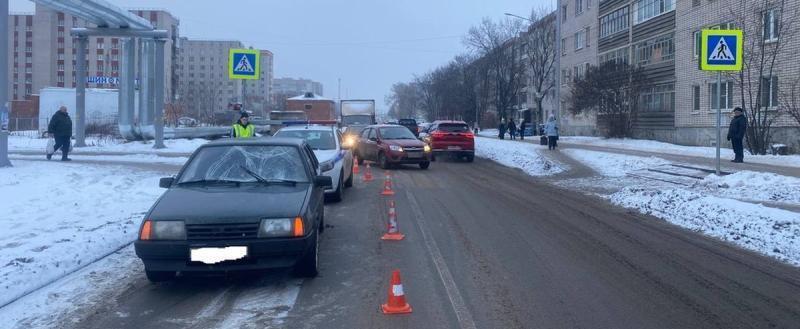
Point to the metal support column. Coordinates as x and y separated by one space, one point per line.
80 92
144 87
4 108
127 80
159 95
719 117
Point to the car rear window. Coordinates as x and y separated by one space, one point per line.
453 127
405 122
318 140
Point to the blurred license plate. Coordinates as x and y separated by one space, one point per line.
415 155
454 147
217 255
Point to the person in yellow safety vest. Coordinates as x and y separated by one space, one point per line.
243 128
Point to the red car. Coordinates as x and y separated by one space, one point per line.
453 138
389 145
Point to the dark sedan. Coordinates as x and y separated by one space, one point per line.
237 205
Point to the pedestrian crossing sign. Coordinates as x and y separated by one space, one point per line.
243 64
721 50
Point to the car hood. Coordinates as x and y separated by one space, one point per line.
247 203
405 142
325 155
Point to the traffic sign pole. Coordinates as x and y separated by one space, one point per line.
4 109
719 118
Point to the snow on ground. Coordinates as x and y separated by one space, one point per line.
613 165
129 158
58 217
756 186
488 133
517 155
769 231
697 151
107 144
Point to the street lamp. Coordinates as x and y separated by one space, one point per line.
520 17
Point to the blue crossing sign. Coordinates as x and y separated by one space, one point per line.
721 50
243 64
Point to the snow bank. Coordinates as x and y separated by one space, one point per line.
128 158
489 133
106 144
697 151
755 186
769 231
58 217
517 155
613 165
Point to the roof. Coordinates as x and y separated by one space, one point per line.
313 97
384 125
263 141
449 121
308 127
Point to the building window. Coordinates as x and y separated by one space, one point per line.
578 7
101 45
656 50
725 97
696 98
61 67
770 21
563 49
695 3
580 39
647 9
563 14
659 98
60 34
619 56
61 78
74 22
61 57
616 21
769 92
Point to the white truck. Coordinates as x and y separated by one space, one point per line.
357 114
101 105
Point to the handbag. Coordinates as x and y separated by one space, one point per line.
51 144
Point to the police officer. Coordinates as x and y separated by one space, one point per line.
243 128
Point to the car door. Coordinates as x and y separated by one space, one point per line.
317 203
373 143
347 163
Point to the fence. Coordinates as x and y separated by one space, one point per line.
22 124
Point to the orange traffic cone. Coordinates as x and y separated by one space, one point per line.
392 231
355 165
397 298
387 185
367 174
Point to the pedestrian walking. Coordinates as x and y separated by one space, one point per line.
512 128
736 133
501 129
522 127
551 130
243 128
60 128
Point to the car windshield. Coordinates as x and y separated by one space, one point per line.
453 127
317 139
232 163
396 133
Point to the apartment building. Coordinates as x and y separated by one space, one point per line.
203 83
42 53
259 91
579 50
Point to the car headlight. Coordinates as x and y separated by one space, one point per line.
326 166
163 230
396 148
281 227
426 148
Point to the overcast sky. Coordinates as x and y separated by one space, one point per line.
369 44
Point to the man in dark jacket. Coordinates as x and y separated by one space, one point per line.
736 133
522 127
512 128
501 130
60 128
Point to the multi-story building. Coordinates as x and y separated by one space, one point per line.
42 53
296 86
696 108
259 91
579 49
203 83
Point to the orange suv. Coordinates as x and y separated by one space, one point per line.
453 138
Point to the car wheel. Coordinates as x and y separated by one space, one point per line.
424 165
349 181
159 276
470 158
308 266
383 161
337 196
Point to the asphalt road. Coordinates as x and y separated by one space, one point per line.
486 247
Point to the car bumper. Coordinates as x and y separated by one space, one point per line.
406 158
334 175
261 254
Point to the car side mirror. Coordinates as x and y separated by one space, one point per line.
323 181
166 182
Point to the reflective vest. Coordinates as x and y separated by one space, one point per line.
240 131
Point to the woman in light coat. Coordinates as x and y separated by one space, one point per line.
551 130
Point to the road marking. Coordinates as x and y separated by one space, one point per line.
459 307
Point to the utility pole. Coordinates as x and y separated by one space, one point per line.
4 162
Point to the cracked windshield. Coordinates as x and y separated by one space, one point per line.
399 164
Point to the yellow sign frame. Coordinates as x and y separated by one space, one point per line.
231 65
704 51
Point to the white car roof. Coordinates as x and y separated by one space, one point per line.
308 127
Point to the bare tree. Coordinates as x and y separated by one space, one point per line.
495 42
612 90
769 26
541 56
404 100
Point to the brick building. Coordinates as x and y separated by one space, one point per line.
578 51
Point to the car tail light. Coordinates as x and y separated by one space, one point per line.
298 227
146 230
437 134
469 135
